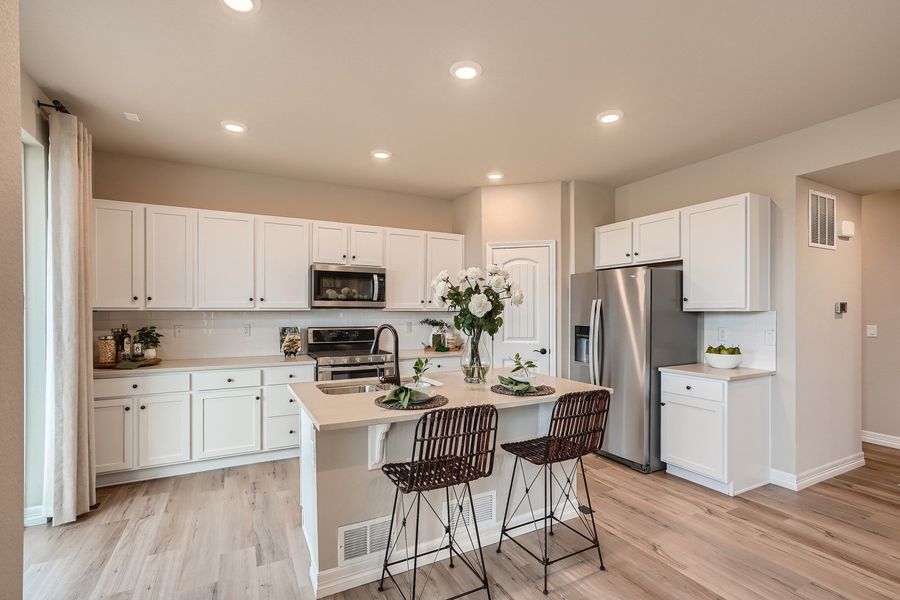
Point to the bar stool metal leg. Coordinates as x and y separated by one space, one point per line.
387 550
449 529
512 479
487 587
415 568
590 506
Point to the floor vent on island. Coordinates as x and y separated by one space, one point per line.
485 508
360 540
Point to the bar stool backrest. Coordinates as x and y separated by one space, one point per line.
463 438
577 425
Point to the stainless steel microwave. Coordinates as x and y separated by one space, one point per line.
341 286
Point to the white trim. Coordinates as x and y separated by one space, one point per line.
554 289
816 474
119 477
882 439
34 515
783 479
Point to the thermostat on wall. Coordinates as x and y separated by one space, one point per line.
848 229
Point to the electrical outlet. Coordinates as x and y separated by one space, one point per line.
179 330
871 330
770 337
246 329
722 334
409 326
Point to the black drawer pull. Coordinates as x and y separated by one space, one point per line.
257 397
149 298
229 380
290 399
687 387
291 432
127 408
290 375
143 406
134 298
134 386
662 403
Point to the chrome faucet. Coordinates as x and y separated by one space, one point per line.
395 379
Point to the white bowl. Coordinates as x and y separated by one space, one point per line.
723 361
521 378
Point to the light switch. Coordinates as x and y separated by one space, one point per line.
179 330
246 329
770 337
722 334
871 330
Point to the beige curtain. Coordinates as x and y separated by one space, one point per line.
69 474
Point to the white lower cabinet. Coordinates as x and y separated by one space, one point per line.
164 429
226 422
716 432
437 365
113 434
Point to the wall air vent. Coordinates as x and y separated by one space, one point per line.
361 540
485 509
821 220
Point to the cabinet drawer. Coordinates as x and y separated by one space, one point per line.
693 387
293 374
141 384
282 432
279 401
221 380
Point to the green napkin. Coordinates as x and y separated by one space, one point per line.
128 364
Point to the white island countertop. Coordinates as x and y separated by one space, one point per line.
201 364
345 411
704 370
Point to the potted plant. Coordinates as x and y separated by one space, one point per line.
479 296
522 369
419 368
439 331
148 337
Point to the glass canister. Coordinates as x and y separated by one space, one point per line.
106 350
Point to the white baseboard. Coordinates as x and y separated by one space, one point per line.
882 439
340 579
34 515
817 474
783 479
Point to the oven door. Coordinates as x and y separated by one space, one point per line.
342 372
339 286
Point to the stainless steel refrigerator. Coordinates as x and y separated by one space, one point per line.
625 324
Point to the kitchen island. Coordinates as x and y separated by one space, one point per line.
344 440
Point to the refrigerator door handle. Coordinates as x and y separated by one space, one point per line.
592 341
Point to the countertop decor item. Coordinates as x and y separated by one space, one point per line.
439 331
522 369
479 295
722 357
295 346
431 402
541 390
130 364
148 338
419 369
401 396
106 351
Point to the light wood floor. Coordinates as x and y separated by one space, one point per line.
234 533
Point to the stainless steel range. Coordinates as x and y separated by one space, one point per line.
346 353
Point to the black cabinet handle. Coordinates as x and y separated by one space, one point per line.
257 397
251 299
343 256
262 299
127 408
635 253
628 254
143 406
134 386
422 301
685 299
135 298
662 403
229 380
290 375
687 387
291 431
353 257
149 298
290 399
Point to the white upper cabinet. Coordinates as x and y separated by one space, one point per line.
225 260
170 259
282 263
657 238
366 246
726 254
405 269
329 242
612 245
446 251
118 254
164 429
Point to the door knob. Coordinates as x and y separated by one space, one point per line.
542 351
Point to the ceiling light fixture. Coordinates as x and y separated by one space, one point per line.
465 69
380 154
243 6
608 117
494 175
234 126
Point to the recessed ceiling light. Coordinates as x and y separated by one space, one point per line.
494 175
610 116
465 69
133 117
381 154
243 6
234 126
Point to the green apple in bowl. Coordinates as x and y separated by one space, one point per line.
723 357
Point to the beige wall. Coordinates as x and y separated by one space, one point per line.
881 290
32 119
134 179
11 303
467 220
771 168
829 351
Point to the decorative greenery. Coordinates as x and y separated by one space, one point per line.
148 336
515 386
721 349
524 366
419 368
436 323
403 396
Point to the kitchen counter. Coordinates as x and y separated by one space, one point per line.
704 370
201 364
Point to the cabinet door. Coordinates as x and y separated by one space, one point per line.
445 251
114 434
282 263
226 422
692 435
164 430
225 265
366 246
329 243
170 257
612 245
657 237
715 255
405 265
118 254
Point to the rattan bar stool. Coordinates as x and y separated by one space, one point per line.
452 447
576 429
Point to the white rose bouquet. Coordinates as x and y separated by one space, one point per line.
479 296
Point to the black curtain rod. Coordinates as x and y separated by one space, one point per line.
57 106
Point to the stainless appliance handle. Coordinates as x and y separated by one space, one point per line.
369 367
592 343
375 289
601 334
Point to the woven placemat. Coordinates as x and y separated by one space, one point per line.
541 390
433 402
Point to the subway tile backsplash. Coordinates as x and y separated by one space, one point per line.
216 334
747 330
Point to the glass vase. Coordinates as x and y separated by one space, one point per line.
476 357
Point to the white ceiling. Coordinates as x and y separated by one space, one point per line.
321 83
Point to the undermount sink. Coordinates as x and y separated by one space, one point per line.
365 388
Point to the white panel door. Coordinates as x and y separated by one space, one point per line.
692 435
164 429
445 251
225 260
330 242
715 255
612 245
114 434
366 246
405 269
657 237
118 254
226 422
527 329
171 240
282 263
